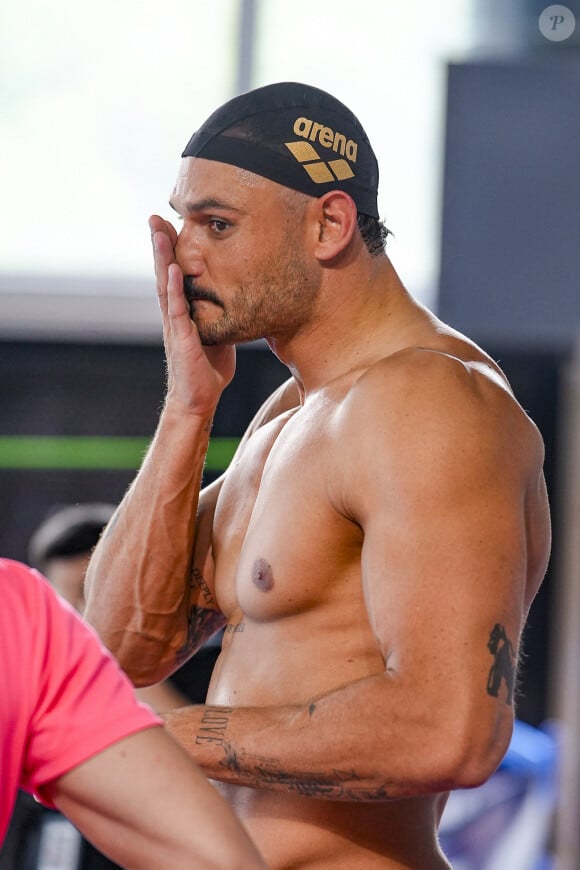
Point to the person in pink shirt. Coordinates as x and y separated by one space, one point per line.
73 733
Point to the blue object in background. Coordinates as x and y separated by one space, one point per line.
507 822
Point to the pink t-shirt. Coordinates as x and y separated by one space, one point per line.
63 698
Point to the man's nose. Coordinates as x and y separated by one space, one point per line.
188 253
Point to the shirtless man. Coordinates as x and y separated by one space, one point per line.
385 512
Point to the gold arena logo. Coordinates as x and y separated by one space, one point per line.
305 153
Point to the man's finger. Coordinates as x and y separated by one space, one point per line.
177 306
162 249
158 224
163 257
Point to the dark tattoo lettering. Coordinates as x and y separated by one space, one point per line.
235 627
503 667
262 575
197 581
336 785
213 725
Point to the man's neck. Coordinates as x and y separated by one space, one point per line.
360 318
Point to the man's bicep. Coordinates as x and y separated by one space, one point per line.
438 486
448 620
444 570
439 579
444 580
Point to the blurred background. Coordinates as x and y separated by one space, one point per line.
473 109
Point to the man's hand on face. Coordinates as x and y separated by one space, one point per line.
197 375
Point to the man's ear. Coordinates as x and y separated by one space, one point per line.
336 215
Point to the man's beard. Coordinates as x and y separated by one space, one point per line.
277 301
193 293
220 331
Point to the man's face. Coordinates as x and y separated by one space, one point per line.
241 249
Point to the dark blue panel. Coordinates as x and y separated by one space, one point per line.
510 258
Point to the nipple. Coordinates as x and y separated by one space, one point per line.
262 575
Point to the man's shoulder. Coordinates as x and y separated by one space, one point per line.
447 394
430 374
423 422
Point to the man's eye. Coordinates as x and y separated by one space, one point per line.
218 225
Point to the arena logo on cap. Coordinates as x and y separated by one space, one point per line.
337 141
305 153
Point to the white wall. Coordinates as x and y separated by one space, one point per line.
99 99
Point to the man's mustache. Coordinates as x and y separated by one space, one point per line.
193 292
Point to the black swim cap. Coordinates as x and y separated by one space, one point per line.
296 135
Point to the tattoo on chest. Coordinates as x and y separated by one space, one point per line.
213 725
504 663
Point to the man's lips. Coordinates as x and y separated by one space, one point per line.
193 293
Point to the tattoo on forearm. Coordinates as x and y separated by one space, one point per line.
202 624
336 785
504 664
213 725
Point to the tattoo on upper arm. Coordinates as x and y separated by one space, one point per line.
504 665
197 581
202 621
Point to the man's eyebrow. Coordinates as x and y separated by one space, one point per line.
205 204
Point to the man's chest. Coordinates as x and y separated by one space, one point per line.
280 542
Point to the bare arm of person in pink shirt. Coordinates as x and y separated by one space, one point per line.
143 802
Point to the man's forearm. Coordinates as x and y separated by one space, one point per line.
370 740
138 581
211 736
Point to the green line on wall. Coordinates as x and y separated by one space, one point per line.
94 452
